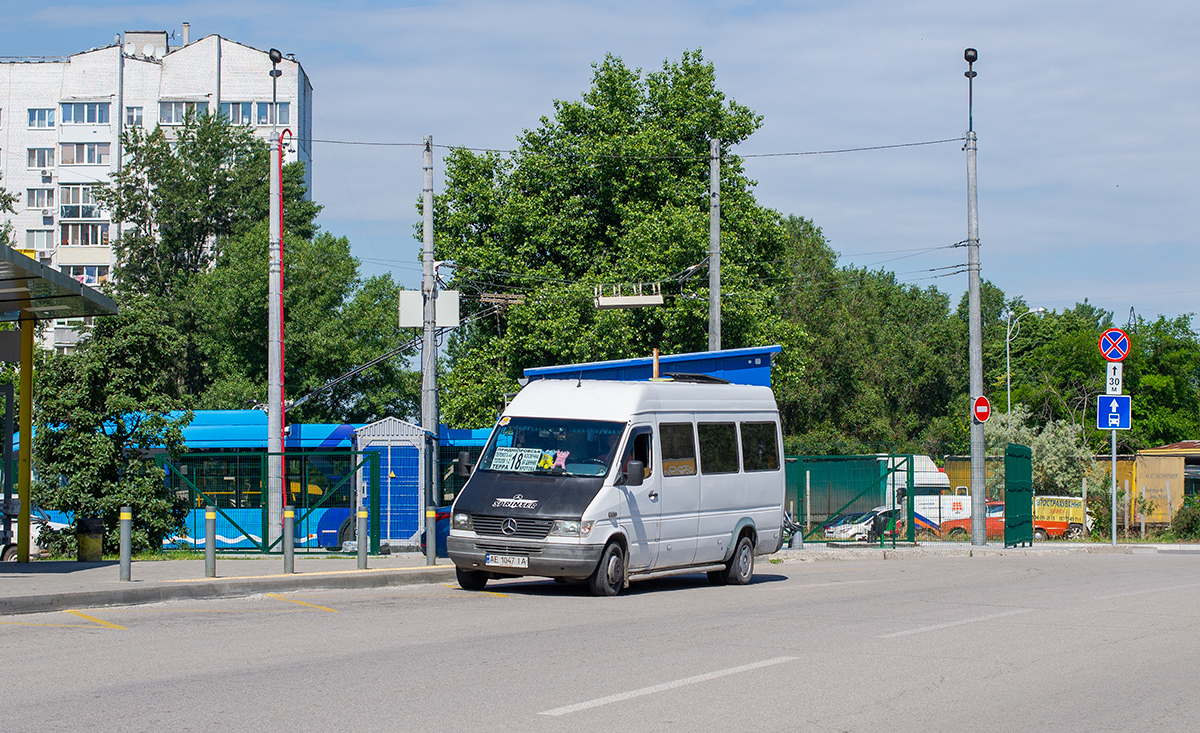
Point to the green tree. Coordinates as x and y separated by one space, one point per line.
101 414
886 360
334 320
1061 458
612 189
7 202
1162 373
177 196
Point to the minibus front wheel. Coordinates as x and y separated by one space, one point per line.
609 577
470 579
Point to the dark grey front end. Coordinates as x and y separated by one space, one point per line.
548 559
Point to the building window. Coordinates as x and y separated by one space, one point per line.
84 153
76 203
84 235
39 239
240 113
88 274
265 117
41 157
39 198
173 113
85 113
133 116
41 118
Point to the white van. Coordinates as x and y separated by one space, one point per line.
610 481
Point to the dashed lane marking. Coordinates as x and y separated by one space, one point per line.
949 624
664 686
1144 592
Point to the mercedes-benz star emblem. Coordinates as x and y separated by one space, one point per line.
509 526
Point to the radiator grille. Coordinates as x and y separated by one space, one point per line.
525 528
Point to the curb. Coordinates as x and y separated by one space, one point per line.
821 552
222 588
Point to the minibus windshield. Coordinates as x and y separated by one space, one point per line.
552 446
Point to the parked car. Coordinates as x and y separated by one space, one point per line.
37 520
860 527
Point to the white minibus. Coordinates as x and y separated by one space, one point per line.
613 481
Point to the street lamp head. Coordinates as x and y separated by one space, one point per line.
1039 310
971 55
275 55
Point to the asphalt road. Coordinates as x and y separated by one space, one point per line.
1074 642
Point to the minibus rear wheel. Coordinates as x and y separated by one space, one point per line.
740 569
470 579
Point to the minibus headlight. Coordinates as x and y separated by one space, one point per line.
461 520
564 528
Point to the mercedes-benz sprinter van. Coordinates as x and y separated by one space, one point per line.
609 481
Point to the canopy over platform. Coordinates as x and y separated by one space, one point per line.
31 291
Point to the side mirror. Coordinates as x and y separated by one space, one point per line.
635 472
464 464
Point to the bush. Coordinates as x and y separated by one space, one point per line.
1186 522
58 542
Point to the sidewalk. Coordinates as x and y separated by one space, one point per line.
43 585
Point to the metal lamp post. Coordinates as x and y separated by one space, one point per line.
1008 337
275 465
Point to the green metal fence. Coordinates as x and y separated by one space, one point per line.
1018 496
842 494
320 487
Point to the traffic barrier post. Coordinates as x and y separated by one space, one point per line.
289 541
126 517
210 541
362 538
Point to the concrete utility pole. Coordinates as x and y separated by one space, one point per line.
275 327
714 244
975 325
429 416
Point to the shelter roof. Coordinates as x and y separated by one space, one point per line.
31 290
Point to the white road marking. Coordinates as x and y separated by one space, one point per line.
950 624
1148 590
664 686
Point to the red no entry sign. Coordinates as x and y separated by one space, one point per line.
1114 344
981 409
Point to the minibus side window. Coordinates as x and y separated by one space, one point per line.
678 449
760 446
638 449
718 447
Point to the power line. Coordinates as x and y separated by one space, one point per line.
600 156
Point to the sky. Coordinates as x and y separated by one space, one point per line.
1085 112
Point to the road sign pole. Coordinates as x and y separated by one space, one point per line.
1114 487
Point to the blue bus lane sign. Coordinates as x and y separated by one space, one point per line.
1112 412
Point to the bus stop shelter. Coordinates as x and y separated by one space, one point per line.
32 292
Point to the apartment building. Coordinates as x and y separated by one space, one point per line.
61 120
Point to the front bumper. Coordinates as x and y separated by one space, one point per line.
547 559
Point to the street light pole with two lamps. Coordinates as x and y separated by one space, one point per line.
1008 337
